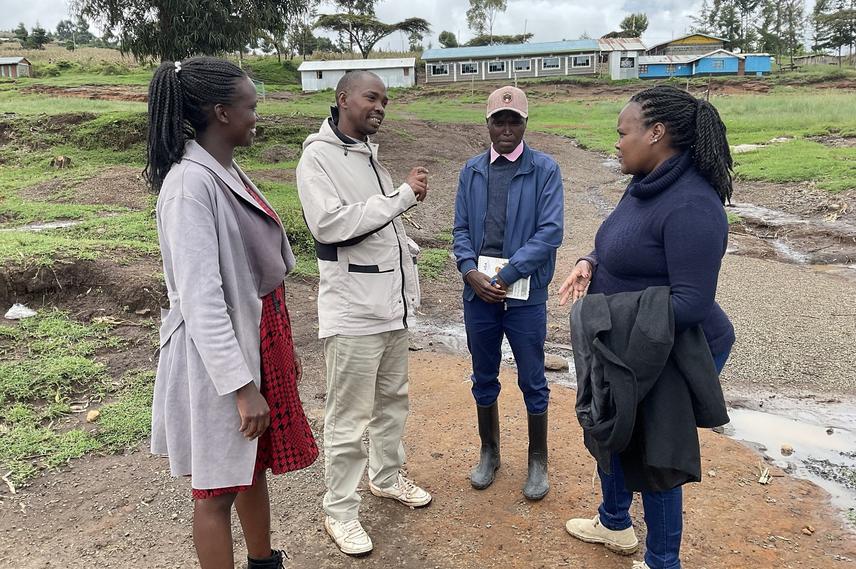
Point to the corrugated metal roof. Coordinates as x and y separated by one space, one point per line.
11 60
685 37
678 59
351 64
621 44
510 50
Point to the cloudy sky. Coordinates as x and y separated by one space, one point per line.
549 20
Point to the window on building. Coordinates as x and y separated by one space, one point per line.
627 62
523 65
407 72
550 63
496 67
440 69
643 68
469 68
581 61
319 74
717 64
670 68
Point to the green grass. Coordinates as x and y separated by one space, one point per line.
833 169
432 262
13 102
46 362
787 112
273 73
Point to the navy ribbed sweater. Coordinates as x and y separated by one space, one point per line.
668 229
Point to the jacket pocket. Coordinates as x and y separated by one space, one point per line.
170 321
372 291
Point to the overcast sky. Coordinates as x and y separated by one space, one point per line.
549 20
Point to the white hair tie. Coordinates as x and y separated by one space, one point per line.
177 67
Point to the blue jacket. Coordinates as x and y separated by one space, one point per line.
534 221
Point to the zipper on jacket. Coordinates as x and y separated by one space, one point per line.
397 240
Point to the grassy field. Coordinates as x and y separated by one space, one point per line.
40 385
47 366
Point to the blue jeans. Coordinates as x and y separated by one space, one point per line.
526 330
663 510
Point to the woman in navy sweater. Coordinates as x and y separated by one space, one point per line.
670 229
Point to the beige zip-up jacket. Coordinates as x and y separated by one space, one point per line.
367 265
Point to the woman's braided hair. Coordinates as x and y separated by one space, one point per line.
180 97
692 124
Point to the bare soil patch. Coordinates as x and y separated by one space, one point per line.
836 141
117 186
99 92
109 509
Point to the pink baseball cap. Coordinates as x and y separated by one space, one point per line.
508 99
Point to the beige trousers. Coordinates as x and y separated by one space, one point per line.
366 389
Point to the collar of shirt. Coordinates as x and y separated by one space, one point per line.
511 156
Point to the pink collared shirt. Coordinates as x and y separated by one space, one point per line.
511 156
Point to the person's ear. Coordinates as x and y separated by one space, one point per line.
221 114
658 131
342 99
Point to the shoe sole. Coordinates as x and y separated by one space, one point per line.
615 548
354 554
381 494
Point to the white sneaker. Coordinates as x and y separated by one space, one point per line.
623 542
405 491
640 565
349 536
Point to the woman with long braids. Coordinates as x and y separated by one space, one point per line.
226 407
669 229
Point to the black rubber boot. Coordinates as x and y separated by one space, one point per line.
484 473
273 562
537 485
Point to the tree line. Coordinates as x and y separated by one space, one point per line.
779 26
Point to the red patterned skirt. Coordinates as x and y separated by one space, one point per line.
288 443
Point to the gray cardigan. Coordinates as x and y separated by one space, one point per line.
209 337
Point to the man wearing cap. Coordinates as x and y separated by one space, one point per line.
508 224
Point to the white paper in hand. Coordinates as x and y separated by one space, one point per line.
491 266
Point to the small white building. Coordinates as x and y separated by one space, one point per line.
320 75
621 56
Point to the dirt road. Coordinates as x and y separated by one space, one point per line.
794 336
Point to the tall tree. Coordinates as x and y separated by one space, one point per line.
703 21
634 25
82 35
65 30
499 39
414 41
22 34
38 37
448 39
365 31
782 26
482 14
835 25
175 29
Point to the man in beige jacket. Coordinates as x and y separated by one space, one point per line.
368 284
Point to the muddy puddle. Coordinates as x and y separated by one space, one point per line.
810 440
825 245
813 440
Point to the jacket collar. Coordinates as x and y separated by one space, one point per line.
194 152
527 161
664 176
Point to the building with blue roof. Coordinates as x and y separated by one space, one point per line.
511 61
